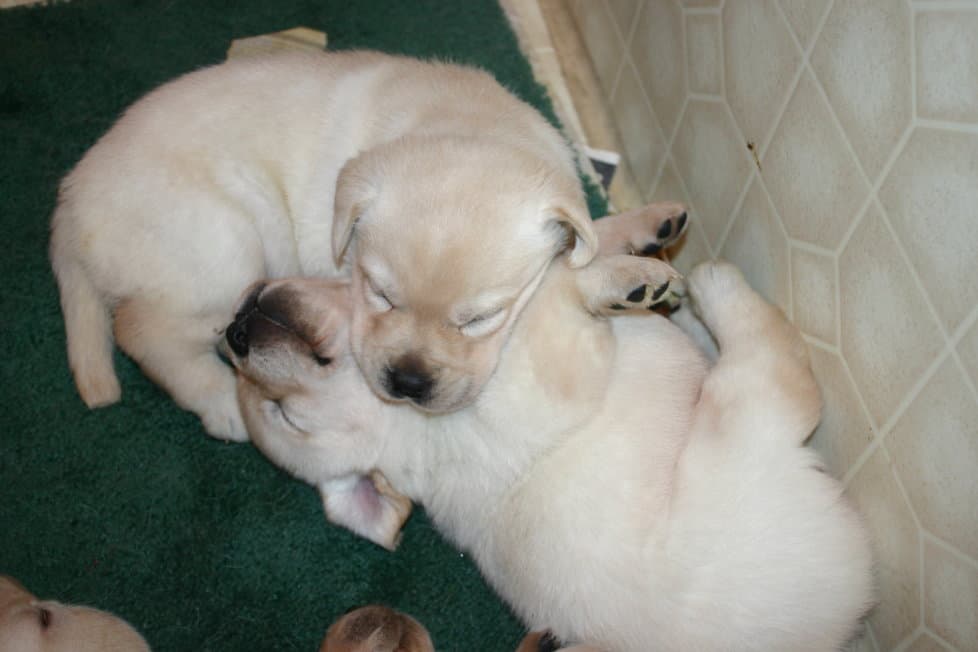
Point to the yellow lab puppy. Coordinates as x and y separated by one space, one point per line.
610 484
31 625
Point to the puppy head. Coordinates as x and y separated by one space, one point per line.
300 391
448 239
289 336
31 625
377 629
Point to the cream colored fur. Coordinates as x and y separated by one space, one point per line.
610 484
232 173
28 624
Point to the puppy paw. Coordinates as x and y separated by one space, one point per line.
614 284
643 231
98 387
712 287
222 420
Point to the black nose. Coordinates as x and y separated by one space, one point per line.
237 332
237 335
409 383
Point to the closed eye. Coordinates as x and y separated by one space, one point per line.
377 298
483 324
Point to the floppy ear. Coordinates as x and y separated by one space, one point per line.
376 628
568 210
368 506
577 220
354 191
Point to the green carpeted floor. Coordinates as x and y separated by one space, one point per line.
202 545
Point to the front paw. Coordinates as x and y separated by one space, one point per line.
613 284
222 420
644 231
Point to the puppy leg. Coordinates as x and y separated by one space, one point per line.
644 231
611 284
762 382
179 353
368 506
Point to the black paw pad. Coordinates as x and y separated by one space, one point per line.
665 230
659 291
637 294
682 222
652 249
548 643
616 306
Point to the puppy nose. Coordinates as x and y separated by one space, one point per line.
237 335
409 383
237 332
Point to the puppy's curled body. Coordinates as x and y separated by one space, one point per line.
616 489
228 175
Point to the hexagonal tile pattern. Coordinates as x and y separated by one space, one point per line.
968 351
623 13
760 61
713 163
895 539
864 116
861 643
804 16
862 58
658 53
934 446
812 178
757 245
703 54
951 597
634 116
691 249
947 65
930 195
813 293
601 39
926 643
888 336
845 431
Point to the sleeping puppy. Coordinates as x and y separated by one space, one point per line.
233 173
290 344
31 625
610 484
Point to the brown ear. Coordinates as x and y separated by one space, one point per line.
354 192
414 637
377 629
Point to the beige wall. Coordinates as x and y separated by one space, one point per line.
859 216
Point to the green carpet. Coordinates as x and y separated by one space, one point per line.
202 545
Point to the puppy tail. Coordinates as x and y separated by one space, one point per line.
88 327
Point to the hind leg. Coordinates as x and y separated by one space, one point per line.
178 352
762 379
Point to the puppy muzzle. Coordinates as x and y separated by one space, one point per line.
408 378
